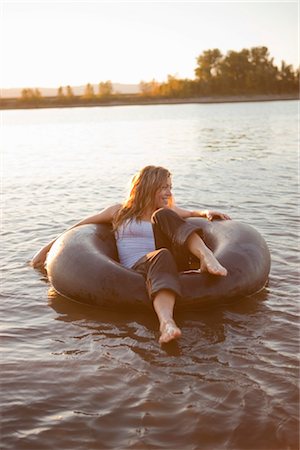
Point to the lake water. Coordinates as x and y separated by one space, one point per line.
75 377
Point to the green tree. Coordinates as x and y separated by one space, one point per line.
105 89
89 92
37 94
247 71
150 89
31 95
263 73
287 78
208 64
69 93
209 69
60 93
234 73
174 87
25 95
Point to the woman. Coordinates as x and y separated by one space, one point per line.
154 239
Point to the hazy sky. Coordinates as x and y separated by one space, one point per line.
48 44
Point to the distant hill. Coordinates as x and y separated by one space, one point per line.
118 88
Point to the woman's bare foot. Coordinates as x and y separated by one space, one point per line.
209 263
169 331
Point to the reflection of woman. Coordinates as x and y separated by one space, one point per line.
154 239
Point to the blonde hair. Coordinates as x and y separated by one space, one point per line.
141 198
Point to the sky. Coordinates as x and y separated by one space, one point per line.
59 43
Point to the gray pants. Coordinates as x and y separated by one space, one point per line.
160 268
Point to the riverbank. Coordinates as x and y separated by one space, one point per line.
126 100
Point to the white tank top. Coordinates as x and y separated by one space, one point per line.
134 239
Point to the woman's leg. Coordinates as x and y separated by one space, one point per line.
163 303
162 282
208 262
182 237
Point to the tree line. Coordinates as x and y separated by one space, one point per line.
246 72
66 94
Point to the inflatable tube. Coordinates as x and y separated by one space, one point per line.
83 265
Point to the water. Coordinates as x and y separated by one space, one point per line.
74 377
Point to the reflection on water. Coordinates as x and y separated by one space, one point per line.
78 377
204 327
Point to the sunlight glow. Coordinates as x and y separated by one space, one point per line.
53 44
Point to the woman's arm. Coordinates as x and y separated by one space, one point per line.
105 216
208 214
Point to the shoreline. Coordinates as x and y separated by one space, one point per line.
130 100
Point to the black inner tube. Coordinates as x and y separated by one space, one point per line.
83 265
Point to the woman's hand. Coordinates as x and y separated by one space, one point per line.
207 213
213 215
38 261
105 216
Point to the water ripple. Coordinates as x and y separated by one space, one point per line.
75 374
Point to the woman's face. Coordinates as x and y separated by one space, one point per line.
163 194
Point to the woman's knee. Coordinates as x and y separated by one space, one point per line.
162 213
164 254
164 260
163 273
